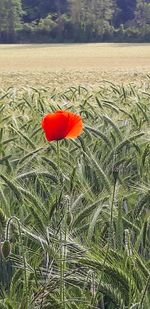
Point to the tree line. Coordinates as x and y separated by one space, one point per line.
39 21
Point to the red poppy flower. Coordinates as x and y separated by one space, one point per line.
62 124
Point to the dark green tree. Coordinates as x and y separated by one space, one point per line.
73 20
91 17
126 11
142 15
10 19
37 9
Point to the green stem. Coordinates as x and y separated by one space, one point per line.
111 228
144 293
109 242
22 249
129 264
58 163
62 247
130 288
62 287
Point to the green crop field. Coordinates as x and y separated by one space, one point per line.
74 214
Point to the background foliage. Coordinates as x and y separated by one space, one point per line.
74 20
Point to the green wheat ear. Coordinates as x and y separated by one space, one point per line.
6 248
3 306
2 221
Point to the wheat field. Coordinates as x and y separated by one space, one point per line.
75 222
53 65
75 213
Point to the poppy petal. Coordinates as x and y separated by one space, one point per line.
55 126
75 126
62 124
